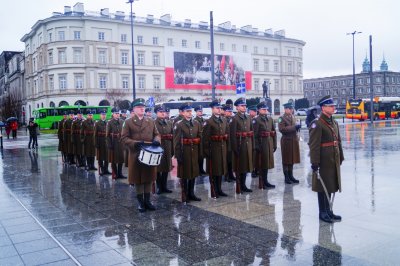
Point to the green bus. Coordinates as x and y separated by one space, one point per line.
49 117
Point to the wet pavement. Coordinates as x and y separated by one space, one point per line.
60 215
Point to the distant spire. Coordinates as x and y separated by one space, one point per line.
384 65
365 65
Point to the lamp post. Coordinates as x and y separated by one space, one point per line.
354 68
133 55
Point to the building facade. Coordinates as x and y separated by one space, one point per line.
83 57
385 83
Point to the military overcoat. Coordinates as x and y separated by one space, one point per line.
113 138
326 151
164 127
135 130
187 141
87 137
265 142
100 143
289 142
60 134
76 137
242 146
68 136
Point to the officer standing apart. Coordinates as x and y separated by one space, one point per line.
265 144
199 118
187 140
101 144
114 144
215 139
241 138
87 137
137 130
164 127
289 143
326 155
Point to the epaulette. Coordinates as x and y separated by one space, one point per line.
313 123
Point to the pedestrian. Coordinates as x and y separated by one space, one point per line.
115 145
137 131
14 128
326 156
187 140
32 128
199 118
265 144
289 143
241 138
215 142
101 144
87 139
164 127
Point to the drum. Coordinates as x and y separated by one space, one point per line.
150 155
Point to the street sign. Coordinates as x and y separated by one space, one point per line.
150 101
240 88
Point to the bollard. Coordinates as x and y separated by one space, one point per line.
343 119
1 141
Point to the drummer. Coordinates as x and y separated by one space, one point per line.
138 131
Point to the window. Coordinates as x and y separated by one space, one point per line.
276 84
343 91
300 68
77 35
139 39
100 36
222 46
103 82
266 50
335 92
276 66
125 82
51 59
170 42
156 59
155 40
275 51
256 84
290 85
244 48
123 38
124 58
209 45
156 83
140 58
141 82
360 90
61 36
78 56
233 47
50 37
197 44
78 82
184 43
102 57
360 81
255 64
289 52
300 52
266 65
255 49
62 81
289 67
62 57
51 83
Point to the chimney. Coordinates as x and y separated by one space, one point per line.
67 10
105 12
79 8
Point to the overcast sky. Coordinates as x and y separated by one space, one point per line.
321 24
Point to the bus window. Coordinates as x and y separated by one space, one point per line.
42 115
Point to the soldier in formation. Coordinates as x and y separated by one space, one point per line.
76 140
67 138
114 144
60 133
199 118
88 141
101 144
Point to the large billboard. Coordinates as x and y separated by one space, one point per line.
193 71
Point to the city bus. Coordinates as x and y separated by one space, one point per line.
384 108
49 117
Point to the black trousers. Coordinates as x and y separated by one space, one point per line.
33 141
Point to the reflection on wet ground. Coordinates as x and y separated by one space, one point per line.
95 222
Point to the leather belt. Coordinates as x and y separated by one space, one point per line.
329 144
88 131
68 130
101 134
195 141
219 137
77 131
167 136
248 134
115 135
265 134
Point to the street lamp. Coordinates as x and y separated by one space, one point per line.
133 55
354 68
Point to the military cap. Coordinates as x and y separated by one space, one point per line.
78 112
227 108
103 112
198 108
252 108
71 112
185 106
326 101
240 101
138 102
159 108
65 113
115 110
31 119
229 101
90 112
262 105
288 105
148 109
123 111
215 103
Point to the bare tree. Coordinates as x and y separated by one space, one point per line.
116 95
12 106
160 98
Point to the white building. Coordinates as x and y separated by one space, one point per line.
83 57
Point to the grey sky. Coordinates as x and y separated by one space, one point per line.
321 24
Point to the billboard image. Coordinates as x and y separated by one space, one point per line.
193 71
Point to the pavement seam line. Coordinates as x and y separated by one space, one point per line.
44 228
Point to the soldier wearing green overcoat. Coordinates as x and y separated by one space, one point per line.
87 138
76 139
60 133
114 144
101 144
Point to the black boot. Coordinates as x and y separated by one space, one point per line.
141 206
120 175
243 184
114 173
335 217
231 177
184 190
159 182
92 167
287 179
71 159
219 187
201 168
291 177
265 180
147 203
323 214
164 176
254 174
101 170
105 169
192 196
